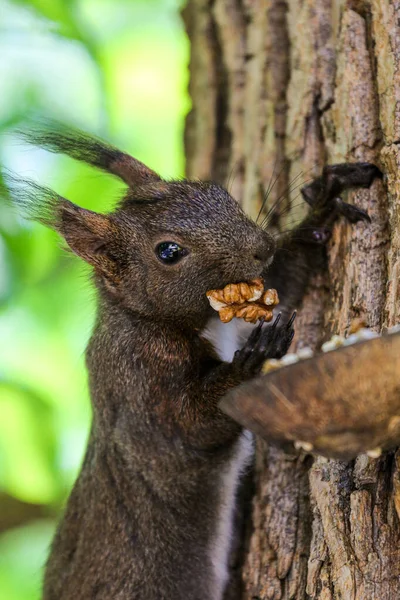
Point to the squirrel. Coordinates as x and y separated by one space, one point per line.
150 515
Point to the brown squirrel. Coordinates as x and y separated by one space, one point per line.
150 515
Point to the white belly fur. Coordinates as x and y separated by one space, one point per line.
226 339
229 483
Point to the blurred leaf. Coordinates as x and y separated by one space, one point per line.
57 11
16 513
27 446
23 553
33 252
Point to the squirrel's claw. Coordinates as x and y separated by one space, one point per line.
336 179
291 320
243 354
323 195
352 213
272 341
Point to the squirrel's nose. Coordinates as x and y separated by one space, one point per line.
265 252
261 256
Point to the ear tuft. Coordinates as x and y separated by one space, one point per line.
35 202
55 137
87 233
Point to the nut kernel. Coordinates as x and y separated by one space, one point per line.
247 301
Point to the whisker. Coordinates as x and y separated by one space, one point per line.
268 189
285 212
284 196
231 177
286 193
289 190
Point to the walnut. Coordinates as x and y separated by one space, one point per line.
246 301
236 293
270 298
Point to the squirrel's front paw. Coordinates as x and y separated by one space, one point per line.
265 342
323 195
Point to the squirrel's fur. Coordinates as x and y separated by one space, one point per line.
150 515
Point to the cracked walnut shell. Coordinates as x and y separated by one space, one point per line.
246 301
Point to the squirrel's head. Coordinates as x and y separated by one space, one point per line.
165 245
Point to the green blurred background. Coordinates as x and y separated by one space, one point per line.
117 68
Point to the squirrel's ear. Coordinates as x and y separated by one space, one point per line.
88 234
55 137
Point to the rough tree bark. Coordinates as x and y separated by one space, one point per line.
282 87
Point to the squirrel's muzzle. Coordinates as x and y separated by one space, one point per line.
264 250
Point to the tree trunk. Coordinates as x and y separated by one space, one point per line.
281 88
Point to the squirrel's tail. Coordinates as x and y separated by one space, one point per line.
91 150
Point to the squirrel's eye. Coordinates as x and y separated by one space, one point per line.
170 252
